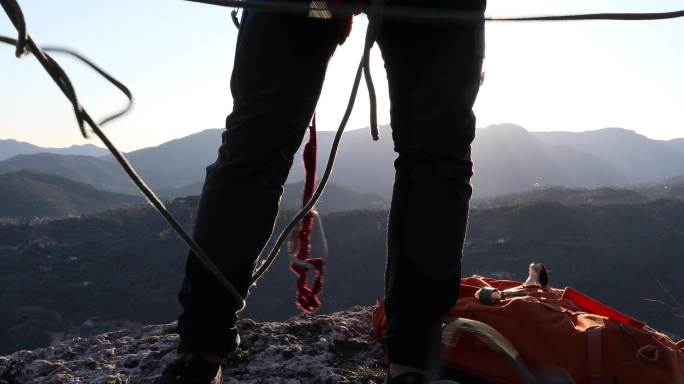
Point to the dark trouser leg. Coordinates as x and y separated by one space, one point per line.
434 76
279 69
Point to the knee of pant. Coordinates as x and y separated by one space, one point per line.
424 164
257 153
448 144
257 168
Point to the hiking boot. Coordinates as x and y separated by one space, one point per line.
191 369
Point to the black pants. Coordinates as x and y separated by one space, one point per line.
434 76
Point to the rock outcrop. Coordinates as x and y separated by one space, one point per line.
334 348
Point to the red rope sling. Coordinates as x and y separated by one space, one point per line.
300 242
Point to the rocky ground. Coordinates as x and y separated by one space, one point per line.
333 348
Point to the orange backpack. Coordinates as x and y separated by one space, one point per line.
558 330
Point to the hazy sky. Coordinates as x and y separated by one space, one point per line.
177 56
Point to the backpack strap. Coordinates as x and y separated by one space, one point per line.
597 373
677 366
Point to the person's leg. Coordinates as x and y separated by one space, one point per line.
279 68
434 73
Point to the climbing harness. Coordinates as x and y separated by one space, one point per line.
418 14
376 11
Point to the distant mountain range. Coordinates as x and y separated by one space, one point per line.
31 194
28 193
508 159
636 157
10 148
335 198
84 169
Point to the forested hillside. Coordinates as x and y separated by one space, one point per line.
32 194
87 274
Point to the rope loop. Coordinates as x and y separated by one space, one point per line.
16 16
60 78
427 14
649 353
65 85
234 17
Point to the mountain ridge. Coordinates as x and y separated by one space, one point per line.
11 147
507 158
631 153
31 194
